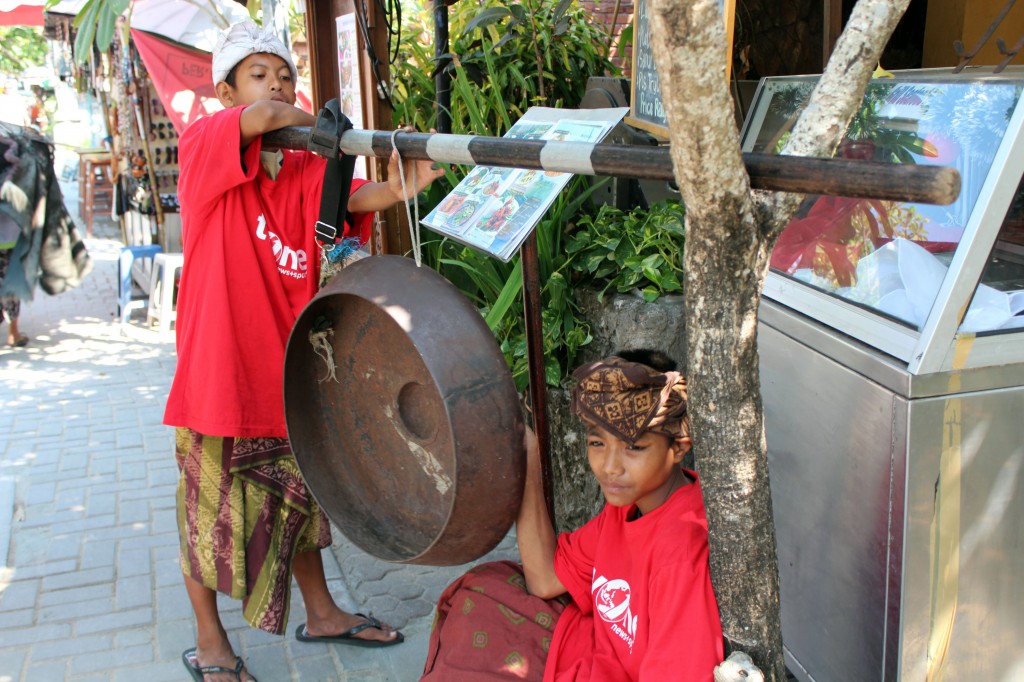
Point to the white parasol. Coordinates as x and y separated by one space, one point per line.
196 23
69 7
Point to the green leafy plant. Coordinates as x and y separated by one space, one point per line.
641 249
20 48
503 59
546 31
562 331
95 22
493 59
496 287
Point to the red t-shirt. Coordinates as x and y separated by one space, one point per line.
251 265
643 607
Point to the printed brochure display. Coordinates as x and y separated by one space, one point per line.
495 209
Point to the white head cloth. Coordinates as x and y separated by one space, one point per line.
240 41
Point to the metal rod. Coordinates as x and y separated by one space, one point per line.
535 359
925 184
843 177
1008 55
967 56
611 32
443 79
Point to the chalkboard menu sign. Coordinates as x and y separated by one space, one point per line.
646 108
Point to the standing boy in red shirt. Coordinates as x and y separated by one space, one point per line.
251 263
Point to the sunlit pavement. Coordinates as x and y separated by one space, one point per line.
90 585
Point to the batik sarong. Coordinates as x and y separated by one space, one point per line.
243 513
488 627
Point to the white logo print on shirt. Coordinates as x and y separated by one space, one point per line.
290 262
611 601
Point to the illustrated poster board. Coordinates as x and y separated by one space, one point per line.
647 110
495 209
350 93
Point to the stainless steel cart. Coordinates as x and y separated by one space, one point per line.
892 364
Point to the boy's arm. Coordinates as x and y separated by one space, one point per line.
371 197
534 531
380 196
266 115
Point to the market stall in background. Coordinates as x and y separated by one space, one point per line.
154 80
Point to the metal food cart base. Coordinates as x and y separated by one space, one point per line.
898 507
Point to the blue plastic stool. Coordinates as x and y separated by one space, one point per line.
127 300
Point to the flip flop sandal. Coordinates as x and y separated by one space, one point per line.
188 657
349 637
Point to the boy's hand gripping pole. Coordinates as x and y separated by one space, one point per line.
325 140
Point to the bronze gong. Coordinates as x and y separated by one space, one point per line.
415 449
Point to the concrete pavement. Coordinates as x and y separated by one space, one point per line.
90 585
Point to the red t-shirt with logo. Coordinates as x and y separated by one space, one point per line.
642 603
251 264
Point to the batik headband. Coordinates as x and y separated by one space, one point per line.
629 398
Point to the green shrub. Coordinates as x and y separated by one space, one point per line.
641 249
504 59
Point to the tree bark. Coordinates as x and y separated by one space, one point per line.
729 235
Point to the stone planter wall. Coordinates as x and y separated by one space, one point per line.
620 322
627 322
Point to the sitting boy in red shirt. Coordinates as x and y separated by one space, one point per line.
642 605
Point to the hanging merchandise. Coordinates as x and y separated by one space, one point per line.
142 167
48 249
155 80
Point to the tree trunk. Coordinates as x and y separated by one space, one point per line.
729 235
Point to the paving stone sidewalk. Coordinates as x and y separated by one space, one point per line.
90 585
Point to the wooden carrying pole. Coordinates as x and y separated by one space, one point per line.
534 321
843 177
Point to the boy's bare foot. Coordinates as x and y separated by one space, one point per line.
349 628
17 340
220 656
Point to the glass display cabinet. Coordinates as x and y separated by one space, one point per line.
892 367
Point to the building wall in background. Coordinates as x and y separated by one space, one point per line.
615 15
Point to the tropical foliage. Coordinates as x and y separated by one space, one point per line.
503 59
20 48
640 249
96 21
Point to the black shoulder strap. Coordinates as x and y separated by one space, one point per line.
324 139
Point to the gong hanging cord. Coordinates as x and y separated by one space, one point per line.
414 226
